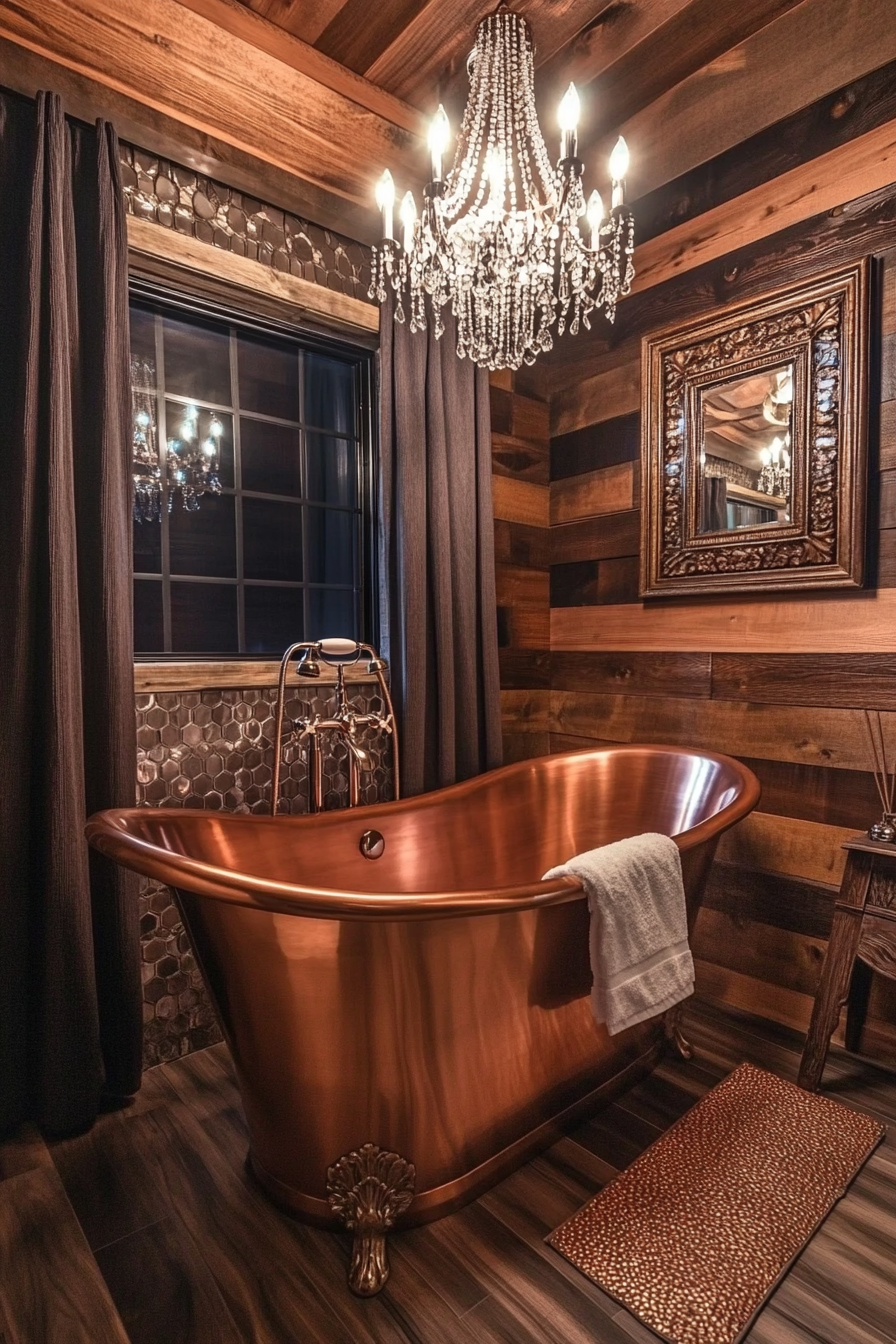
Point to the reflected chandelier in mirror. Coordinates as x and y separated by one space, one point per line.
753 443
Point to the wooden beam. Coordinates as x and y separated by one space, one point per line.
340 310
251 27
792 623
855 169
183 67
808 52
605 395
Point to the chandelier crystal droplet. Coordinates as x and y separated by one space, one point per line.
499 238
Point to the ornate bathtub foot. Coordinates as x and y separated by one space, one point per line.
675 1039
368 1189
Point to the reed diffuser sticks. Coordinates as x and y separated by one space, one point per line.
885 780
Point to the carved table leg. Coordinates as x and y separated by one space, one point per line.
368 1189
857 1003
832 991
676 1042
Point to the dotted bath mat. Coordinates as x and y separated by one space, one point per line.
695 1234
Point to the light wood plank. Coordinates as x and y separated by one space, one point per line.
277 41
519 587
844 174
750 995
831 738
888 436
789 961
339 310
149 677
158 55
807 53
786 845
526 711
607 490
615 391
860 623
521 501
51 1289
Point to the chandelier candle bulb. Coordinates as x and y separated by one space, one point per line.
595 217
619 161
385 199
568 116
439 135
408 215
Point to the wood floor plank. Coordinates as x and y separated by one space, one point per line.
51 1290
25 1150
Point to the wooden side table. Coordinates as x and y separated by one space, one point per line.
863 939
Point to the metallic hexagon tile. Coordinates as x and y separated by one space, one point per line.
214 749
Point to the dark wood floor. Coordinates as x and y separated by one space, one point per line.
148 1231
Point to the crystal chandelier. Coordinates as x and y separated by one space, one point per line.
774 478
190 463
499 237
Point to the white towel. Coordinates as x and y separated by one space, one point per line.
640 958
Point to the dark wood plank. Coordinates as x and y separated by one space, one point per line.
886 564
617 580
605 444
530 419
525 669
601 538
575 584
834 120
812 793
25 1150
50 1287
522 544
634 673
789 903
525 746
888 499
501 404
864 680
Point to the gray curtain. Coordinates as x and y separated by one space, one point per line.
439 614
715 504
70 1028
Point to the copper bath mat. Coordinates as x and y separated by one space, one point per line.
695 1234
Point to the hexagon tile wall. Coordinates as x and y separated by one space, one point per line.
214 749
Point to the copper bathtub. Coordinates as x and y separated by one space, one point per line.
432 1001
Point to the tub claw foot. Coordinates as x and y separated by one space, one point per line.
368 1189
676 1041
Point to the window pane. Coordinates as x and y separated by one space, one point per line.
148 547
271 457
189 425
149 636
203 541
275 619
332 469
203 618
330 394
331 614
268 377
143 334
197 360
272 539
331 546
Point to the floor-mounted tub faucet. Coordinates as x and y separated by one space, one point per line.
344 719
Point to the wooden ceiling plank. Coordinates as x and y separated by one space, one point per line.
430 55
808 52
224 87
306 19
266 34
354 41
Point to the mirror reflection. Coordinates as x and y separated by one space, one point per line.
746 426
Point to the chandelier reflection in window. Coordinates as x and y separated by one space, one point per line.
499 237
191 461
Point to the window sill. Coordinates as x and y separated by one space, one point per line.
203 676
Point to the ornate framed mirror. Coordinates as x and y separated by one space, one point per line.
753 443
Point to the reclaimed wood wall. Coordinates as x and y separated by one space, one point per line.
779 682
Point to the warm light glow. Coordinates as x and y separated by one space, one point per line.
385 191
568 111
408 216
619 160
496 171
216 429
439 135
595 215
776 451
765 457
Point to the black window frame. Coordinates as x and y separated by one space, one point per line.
173 301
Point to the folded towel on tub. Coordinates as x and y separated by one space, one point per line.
640 958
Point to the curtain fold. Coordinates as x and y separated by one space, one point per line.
438 612
70 1002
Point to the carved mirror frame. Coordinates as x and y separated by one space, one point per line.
821 328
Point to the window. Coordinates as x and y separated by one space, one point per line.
283 552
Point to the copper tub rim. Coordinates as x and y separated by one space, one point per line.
108 832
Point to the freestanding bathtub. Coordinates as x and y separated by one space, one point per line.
429 1006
